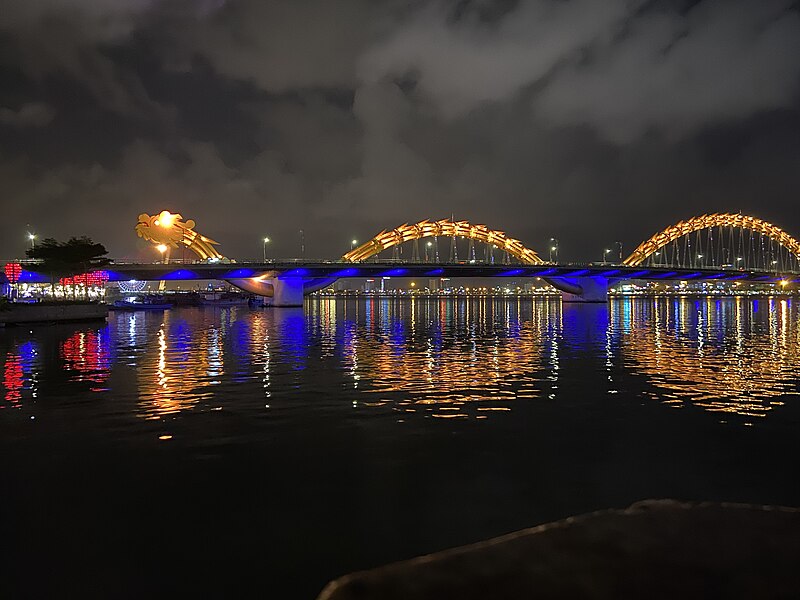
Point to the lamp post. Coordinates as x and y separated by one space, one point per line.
605 255
553 249
428 247
164 249
32 238
266 241
353 244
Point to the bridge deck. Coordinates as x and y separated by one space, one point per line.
341 270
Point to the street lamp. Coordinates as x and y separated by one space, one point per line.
353 244
32 238
553 248
163 249
266 241
605 254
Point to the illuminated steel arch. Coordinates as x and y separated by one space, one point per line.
444 228
168 230
682 228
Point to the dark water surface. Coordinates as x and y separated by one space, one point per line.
210 452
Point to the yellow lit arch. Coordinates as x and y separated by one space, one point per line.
444 228
672 233
168 229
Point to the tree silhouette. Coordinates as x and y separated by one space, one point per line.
67 259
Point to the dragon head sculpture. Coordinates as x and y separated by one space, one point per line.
171 230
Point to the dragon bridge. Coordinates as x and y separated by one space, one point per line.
168 230
443 228
736 220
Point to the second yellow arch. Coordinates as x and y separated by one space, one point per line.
443 228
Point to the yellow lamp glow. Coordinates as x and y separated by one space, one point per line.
161 248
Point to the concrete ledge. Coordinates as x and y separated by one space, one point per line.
33 313
654 549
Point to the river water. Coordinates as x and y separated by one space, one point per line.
210 452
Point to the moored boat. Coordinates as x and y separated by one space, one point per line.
222 300
140 303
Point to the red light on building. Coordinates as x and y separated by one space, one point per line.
13 271
93 279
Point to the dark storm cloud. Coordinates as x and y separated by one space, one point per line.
64 38
254 117
282 46
461 64
621 66
33 114
723 60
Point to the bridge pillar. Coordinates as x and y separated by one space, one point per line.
281 291
581 289
287 292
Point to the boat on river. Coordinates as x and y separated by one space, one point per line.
140 303
225 299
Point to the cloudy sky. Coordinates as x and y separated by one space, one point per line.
588 120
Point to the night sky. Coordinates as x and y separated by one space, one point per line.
591 121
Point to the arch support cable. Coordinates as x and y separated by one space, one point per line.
443 228
673 233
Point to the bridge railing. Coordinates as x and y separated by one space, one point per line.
283 262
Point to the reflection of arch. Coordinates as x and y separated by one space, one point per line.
381 359
682 348
445 228
670 234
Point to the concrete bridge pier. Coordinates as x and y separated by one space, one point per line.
281 291
286 292
581 289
